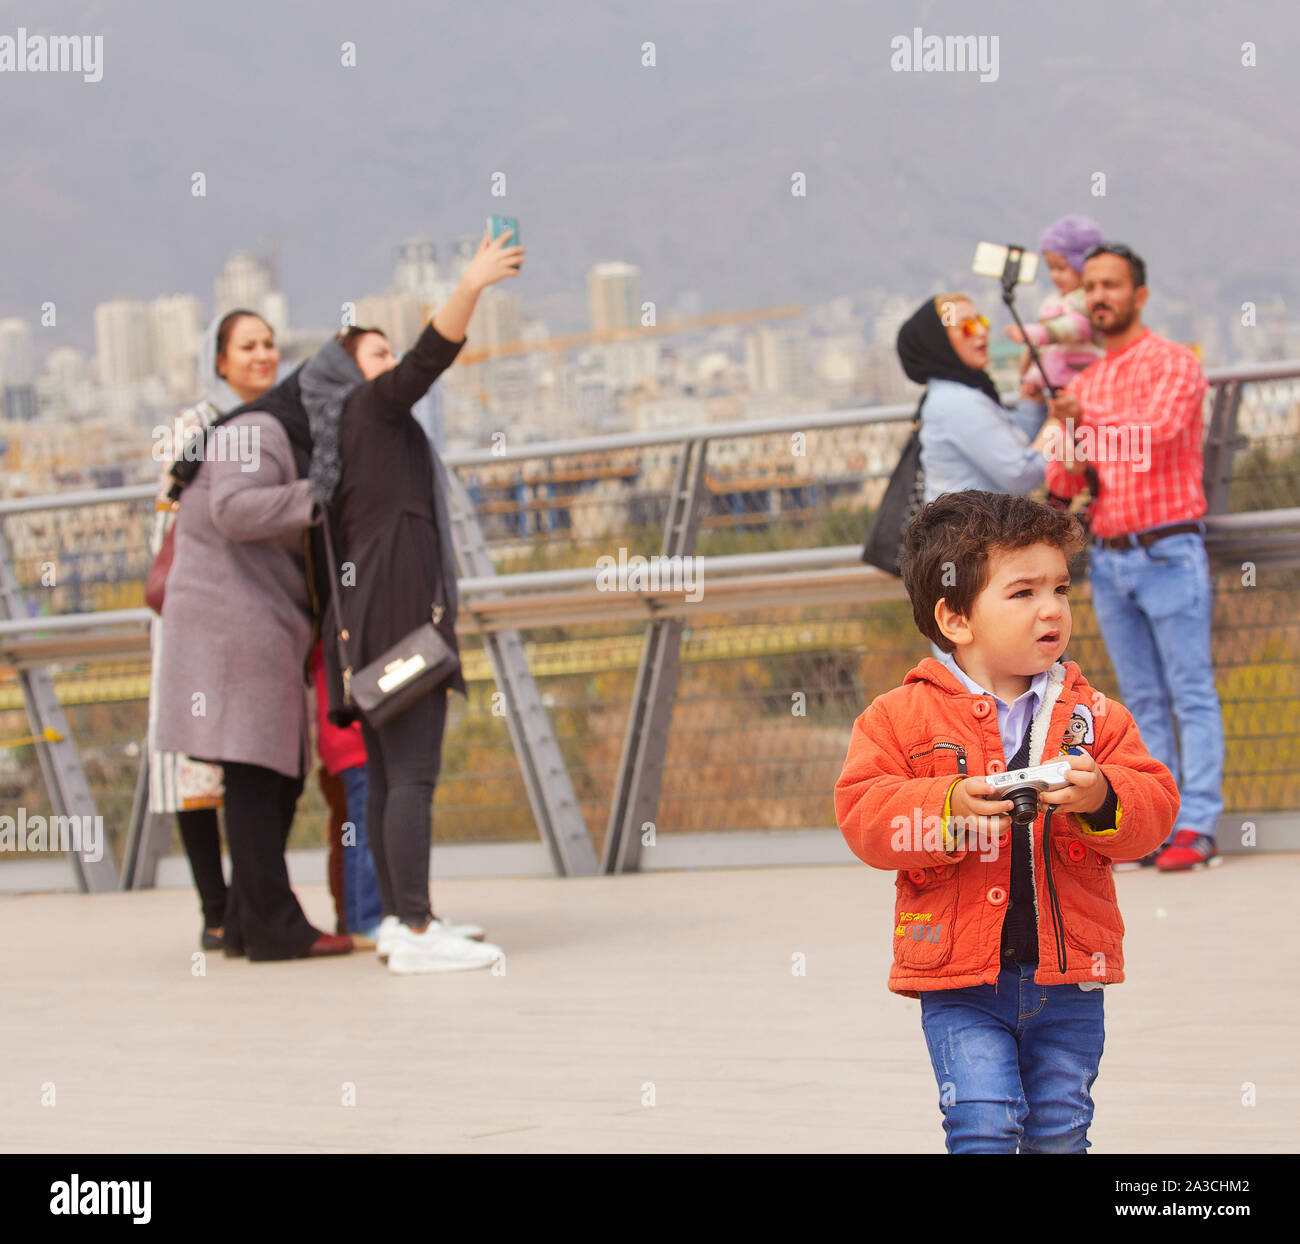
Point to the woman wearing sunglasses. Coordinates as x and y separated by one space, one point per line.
968 438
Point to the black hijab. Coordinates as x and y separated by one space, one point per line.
284 401
927 354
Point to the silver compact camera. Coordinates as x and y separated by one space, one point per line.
1022 786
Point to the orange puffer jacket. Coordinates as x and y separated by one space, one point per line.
910 748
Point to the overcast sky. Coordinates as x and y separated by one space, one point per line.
683 168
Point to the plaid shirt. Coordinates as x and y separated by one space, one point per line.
1140 424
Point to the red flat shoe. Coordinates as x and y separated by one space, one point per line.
329 944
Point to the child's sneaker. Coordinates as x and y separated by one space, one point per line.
436 950
1189 850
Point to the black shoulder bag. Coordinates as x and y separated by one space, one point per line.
417 664
904 496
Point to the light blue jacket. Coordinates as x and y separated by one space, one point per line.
969 441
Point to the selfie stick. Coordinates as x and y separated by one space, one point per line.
1011 275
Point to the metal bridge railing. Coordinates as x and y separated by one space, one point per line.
630 714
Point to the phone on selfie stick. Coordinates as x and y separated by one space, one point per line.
1013 265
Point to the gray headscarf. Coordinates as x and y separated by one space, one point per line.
325 381
212 386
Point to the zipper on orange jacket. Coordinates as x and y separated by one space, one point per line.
956 747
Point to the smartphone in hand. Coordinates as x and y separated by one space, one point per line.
497 225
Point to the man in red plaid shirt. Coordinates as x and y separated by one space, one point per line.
1135 415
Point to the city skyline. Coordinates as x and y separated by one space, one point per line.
682 166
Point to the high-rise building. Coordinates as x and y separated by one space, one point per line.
248 282
66 366
396 313
496 318
463 249
243 282
175 328
16 363
122 345
777 360
416 268
63 388
17 394
614 296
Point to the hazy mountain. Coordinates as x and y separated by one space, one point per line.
684 167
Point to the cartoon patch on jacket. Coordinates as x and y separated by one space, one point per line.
1079 730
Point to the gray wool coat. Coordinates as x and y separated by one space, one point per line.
236 616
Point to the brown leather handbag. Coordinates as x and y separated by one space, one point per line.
155 584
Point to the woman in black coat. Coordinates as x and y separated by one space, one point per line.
386 491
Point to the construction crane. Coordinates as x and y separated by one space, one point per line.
694 323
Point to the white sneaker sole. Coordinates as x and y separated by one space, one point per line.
383 949
401 964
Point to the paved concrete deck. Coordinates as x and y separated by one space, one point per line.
682 981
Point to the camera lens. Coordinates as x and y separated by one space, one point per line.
1024 805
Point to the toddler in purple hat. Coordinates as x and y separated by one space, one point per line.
1063 333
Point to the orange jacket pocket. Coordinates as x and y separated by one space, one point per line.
923 916
1087 890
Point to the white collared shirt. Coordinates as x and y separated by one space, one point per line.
1013 719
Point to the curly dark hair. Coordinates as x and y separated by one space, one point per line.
946 546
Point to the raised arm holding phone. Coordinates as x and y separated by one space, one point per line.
385 490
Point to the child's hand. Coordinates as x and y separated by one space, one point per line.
1087 790
974 797
1013 331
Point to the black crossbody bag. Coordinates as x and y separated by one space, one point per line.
904 496
417 664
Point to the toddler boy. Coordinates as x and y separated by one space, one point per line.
1006 932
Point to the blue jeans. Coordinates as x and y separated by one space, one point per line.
362 908
1015 1063
1153 606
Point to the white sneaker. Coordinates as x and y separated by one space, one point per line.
436 950
474 932
389 925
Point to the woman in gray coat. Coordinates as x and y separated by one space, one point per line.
237 628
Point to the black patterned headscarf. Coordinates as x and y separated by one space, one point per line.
927 354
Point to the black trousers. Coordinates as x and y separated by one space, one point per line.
202 839
263 914
403 757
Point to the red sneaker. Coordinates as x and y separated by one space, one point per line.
1188 850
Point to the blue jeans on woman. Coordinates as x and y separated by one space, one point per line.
1153 606
362 907
1015 1063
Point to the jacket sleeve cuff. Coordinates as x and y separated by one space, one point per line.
949 839
1106 818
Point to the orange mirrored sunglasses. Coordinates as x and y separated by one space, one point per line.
972 324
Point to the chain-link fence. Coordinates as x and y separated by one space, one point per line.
766 697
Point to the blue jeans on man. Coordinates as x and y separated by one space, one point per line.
363 908
1015 1062
1154 606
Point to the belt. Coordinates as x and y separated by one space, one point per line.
1145 539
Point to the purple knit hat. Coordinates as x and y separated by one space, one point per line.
1072 237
